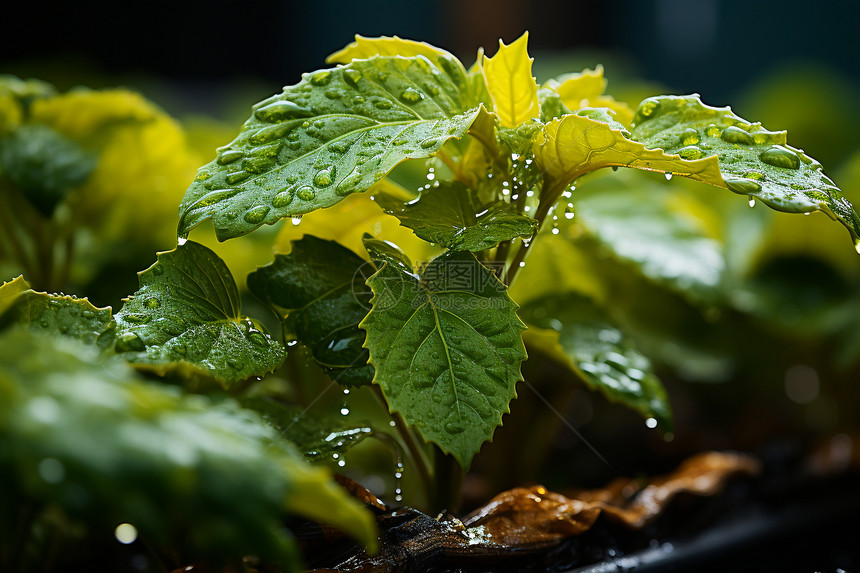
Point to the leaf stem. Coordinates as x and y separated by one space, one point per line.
448 483
546 203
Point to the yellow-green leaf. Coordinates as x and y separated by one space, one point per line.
364 48
509 80
10 290
585 89
573 145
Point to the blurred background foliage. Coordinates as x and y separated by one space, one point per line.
749 315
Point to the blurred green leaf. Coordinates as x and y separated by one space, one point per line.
86 434
598 352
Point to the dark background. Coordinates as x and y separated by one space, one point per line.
201 48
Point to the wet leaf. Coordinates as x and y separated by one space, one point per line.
446 346
753 161
43 165
319 291
9 292
454 217
186 318
363 48
60 314
597 351
509 80
318 439
574 145
335 133
87 434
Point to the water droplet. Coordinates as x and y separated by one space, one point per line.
212 197
455 426
349 183
752 202
296 220
203 176
857 246
779 156
668 176
235 363
429 142
258 164
152 302
411 95
237 177
257 338
333 94
689 136
737 135
344 411
306 193
129 341
341 463
647 108
270 134
352 76
137 318
382 104
281 111
283 198
125 533
256 214
229 156
321 78
691 152
742 186
324 177
346 391
651 423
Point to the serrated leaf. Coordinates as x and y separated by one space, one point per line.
453 216
752 160
9 292
509 80
43 165
446 347
335 133
87 434
319 291
574 145
363 48
596 350
61 314
186 318
316 438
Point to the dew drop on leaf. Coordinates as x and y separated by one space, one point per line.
237 177
324 177
281 111
283 198
352 76
779 156
306 193
737 135
321 78
229 156
411 95
691 152
256 214
152 302
689 136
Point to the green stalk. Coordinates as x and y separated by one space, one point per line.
448 484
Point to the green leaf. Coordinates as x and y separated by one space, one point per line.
61 314
10 290
752 160
186 318
319 291
597 351
446 347
453 216
645 224
43 165
336 132
319 439
87 434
